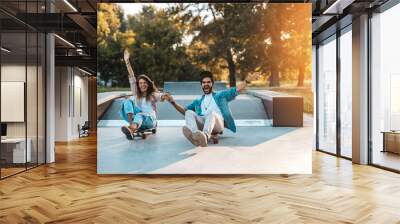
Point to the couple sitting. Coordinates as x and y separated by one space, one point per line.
205 117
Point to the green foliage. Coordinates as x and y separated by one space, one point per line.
226 37
109 44
158 50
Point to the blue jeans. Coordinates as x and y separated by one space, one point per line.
141 120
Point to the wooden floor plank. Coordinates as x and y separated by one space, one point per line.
70 191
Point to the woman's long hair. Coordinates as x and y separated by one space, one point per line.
151 89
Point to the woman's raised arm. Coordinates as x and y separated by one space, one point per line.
131 74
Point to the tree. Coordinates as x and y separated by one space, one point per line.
231 40
108 22
226 35
299 46
158 49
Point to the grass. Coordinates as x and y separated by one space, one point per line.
103 89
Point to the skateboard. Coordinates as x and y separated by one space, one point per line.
144 132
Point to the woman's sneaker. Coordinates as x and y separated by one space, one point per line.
201 138
189 135
128 133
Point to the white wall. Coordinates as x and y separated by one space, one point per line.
61 103
360 90
71 94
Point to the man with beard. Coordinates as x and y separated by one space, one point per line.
207 116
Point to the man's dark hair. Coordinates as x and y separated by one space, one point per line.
206 74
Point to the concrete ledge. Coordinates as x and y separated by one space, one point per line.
283 109
104 102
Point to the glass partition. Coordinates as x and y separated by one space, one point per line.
13 103
385 89
22 89
346 93
32 97
327 96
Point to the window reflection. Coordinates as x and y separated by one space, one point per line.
327 96
386 89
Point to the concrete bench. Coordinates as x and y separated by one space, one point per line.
283 109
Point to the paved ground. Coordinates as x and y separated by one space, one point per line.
256 146
168 146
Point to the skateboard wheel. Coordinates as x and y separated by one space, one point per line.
153 131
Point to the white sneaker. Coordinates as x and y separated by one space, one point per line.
189 135
201 138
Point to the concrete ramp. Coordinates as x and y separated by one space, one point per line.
243 107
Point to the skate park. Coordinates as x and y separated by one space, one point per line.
257 146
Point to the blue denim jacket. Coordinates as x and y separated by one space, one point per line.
222 98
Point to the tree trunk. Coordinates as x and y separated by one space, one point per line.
300 80
274 78
231 68
276 52
105 81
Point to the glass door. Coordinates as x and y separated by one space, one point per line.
346 93
385 89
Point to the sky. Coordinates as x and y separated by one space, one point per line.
133 8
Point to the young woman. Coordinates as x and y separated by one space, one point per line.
139 110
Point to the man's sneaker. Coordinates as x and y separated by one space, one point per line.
127 132
189 135
201 138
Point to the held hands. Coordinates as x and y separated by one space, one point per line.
164 97
168 97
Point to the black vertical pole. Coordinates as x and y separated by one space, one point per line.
317 96
45 89
26 85
1 163
369 90
338 74
37 89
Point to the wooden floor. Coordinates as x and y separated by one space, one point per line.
387 159
5 172
70 191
